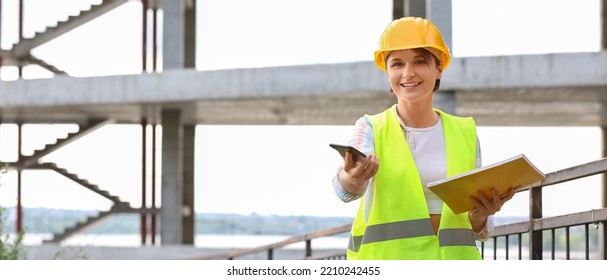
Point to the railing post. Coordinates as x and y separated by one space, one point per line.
308 248
604 241
495 248
553 243
520 246
507 247
270 254
603 233
535 212
587 242
567 243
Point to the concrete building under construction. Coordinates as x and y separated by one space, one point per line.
518 90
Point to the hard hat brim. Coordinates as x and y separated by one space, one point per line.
442 55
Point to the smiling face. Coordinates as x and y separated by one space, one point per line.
413 74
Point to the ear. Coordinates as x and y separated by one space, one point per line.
440 71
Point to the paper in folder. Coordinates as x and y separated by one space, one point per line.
515 172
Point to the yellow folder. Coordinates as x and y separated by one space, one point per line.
515 172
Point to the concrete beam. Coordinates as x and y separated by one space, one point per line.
578 106
529 71
322 94
187 85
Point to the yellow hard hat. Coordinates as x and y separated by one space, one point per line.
411 33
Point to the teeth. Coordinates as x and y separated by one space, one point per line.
410 84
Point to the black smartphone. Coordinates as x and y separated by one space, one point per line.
356 154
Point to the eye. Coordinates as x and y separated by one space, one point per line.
396 64
420 61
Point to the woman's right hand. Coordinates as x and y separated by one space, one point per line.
356 174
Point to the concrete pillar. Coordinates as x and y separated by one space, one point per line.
398 9
604 25
441 14
416 8
171 211
409 8
179 34
190 35
189 214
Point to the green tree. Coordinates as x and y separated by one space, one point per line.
10 248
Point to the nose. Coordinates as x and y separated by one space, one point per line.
409 71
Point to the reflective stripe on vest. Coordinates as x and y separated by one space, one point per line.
456 237
407 229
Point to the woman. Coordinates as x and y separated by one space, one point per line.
398 217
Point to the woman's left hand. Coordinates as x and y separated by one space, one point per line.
486 207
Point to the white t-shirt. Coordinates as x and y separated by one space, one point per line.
430 142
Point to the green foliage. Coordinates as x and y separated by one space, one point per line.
10 249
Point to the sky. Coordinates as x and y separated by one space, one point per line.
286 170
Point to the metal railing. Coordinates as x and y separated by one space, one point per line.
532 230
549 226
537 226
271 248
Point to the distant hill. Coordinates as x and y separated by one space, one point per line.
43 220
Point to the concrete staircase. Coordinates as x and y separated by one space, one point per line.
119 207
20 51
92 125
83 182
80 226
34 60
32 162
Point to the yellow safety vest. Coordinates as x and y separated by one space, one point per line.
398 224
